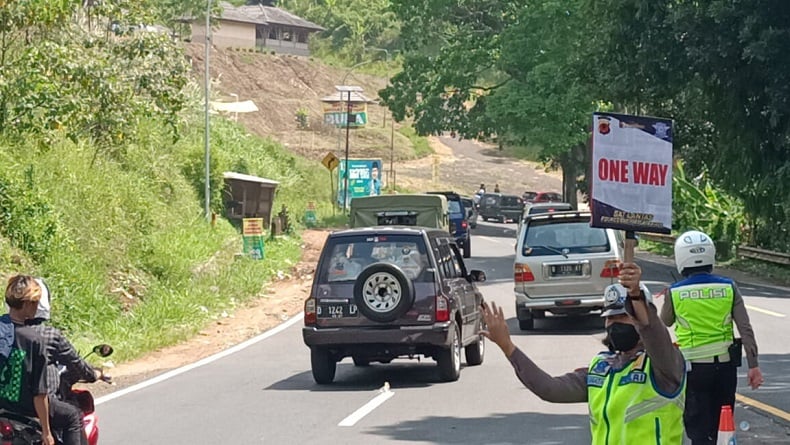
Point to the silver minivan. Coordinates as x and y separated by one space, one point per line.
563 265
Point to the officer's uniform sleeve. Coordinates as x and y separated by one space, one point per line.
567 388
667 361
668 309
741 319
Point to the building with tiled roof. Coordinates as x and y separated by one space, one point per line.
266 28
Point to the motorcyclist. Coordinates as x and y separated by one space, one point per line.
60 352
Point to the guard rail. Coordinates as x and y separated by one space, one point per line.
754 253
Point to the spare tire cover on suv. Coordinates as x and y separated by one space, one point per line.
383 293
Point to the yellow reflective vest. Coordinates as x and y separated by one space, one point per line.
627 408
703 315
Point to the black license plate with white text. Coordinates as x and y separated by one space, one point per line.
337 310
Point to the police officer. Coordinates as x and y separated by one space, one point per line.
702 307
634 390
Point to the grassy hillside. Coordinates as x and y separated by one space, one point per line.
124 244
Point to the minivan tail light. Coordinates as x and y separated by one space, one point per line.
442 308
611 269
522 273
309 312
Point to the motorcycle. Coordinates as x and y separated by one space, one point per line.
18 429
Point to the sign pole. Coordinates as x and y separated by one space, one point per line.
630 246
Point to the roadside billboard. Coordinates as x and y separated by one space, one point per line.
335 114
364 178
631 184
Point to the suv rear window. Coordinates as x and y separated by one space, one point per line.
552 238
454 207
344 258
510 201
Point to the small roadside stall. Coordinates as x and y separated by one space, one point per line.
248 196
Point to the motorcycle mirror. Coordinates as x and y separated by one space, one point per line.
103 350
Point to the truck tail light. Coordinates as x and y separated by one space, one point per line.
522 273
309 312
442 308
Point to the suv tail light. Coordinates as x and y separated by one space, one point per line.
442 308
464 224
611 269
309 312
522 273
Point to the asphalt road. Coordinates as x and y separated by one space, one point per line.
265 393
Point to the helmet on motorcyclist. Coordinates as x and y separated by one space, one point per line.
45 303
614 299
694 250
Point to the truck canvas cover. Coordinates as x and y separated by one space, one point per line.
402 210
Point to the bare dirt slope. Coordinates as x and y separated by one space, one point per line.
280 85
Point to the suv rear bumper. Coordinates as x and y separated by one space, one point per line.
559 304
437 334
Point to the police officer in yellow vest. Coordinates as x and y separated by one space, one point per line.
702 307
635 390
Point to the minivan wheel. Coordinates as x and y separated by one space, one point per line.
501 219
323 364
468 248
449 359
383 292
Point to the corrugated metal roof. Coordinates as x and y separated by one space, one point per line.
248 178
342 97
265 15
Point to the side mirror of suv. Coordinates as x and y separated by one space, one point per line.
477 275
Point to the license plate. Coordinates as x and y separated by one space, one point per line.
566 270
337 310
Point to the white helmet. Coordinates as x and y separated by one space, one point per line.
694 249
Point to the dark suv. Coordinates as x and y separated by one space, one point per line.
500 207
459 224
385 292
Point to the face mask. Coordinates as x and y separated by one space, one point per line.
622 336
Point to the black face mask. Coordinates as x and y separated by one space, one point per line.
622 336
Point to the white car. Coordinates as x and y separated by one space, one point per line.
563 265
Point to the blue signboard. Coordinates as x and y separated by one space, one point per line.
364 178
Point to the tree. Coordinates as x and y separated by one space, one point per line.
719 68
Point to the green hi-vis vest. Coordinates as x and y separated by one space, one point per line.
703 318
626 408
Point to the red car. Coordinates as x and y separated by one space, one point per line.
542 197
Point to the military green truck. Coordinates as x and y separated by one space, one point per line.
400 210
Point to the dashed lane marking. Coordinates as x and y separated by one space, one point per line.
367 408
765 311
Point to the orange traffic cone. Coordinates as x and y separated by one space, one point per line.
726 427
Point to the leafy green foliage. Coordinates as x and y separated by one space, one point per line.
698 205
353 27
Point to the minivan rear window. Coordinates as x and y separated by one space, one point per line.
344 258
564 238
539 210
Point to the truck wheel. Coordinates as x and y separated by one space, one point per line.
526 324
383 292
323 364
359 361
449 359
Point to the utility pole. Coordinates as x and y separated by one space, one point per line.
347 89
207 136
392 124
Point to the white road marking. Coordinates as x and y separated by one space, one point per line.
197 364
765 311
367 408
